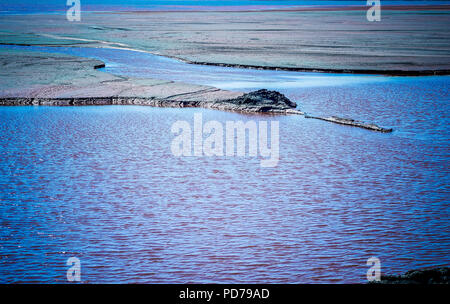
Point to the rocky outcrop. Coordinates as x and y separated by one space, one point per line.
264 100
439 275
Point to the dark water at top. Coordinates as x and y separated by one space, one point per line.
101 184
52 6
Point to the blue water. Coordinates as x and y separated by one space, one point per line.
51 6
101 184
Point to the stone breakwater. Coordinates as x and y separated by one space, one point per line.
261 101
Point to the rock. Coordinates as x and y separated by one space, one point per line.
264 101
440 275
353 123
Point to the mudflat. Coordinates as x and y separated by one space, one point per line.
28 75
407 39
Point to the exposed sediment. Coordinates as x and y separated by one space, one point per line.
391 72
332 40
61 80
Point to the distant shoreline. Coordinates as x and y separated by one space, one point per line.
417 7
247 9
332 71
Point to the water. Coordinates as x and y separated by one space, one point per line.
52 6
101 184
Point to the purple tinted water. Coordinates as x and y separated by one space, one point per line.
101 184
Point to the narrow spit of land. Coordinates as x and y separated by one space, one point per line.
61 80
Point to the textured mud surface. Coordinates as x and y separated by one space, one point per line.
53 79
405 42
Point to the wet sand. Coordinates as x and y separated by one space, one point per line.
53 76
410 41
